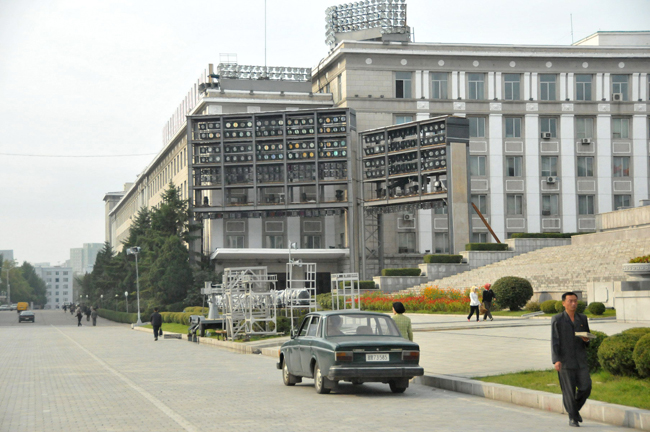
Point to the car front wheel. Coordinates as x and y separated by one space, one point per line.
287 378
319 381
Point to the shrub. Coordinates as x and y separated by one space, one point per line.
532 306
581 306
548 307
512 292
641 356
640 260
324 300
596 308
175 307
121 317
592 350
615 354
401 272
486 246
367 285
637 331
442 258
559 307
197 310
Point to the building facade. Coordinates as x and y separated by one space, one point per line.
59 285
82 259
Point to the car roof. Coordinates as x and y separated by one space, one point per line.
346 312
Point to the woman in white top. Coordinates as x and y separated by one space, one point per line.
473 304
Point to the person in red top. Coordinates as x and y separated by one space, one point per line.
488 296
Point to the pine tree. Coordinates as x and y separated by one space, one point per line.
170 275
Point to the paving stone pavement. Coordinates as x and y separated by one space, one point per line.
60 377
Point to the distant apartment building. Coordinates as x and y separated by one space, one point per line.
82 259
59 285
7 254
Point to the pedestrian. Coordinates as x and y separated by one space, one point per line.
473 303
79 316
71 309
569 356
93 314
87 311
488 296
403 323
156 322
64 308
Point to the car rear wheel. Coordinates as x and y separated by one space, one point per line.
287 378
397 387
319 381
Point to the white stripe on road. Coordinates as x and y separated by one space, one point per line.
189 427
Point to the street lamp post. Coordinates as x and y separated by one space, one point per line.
115 302
101 300
135 250
126 300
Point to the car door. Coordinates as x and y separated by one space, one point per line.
293 351
306 347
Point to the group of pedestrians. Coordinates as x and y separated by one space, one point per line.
80 310
487 297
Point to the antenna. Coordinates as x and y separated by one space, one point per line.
571 15
265 37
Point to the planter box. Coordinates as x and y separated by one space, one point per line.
632 306
389 284
637 272
435 271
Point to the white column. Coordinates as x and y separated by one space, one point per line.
418 84
599 87
604 163
454 85
643 92
635 87
330 232
255 233
607 89
568 174
461 84
533 85
563 86
571 87
497 197
216 234
527 86
425 85
490 85
425 232
498 93
533 199
640 158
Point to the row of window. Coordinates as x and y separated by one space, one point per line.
550 204
275 242
549 166
57 279
511 86
49 273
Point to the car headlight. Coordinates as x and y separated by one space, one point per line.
343 356
411 356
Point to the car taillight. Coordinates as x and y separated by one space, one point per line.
413 356
343 356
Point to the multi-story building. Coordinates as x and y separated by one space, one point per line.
7 255
82 259
59 285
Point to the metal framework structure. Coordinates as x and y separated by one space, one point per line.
301 277
215 295
249 301
345 290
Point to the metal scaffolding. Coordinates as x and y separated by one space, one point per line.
249 301
301 288
346 294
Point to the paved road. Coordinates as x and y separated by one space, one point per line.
51 317
59 377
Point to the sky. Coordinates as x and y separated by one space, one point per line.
101 78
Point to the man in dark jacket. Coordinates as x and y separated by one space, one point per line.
156 322
488 296
569 356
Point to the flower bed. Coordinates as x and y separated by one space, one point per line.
432 299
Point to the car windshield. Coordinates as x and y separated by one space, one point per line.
360 324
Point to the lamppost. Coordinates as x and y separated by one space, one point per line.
126 300
115 302
135 250
101 299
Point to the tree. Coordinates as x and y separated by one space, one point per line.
170 275
172 217
36 284
20 289
140 231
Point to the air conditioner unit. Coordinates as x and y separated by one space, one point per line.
586 141
409 217
551 179
546 135
617 97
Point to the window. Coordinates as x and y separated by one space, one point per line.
65 293
476 86
585 166
549 166
57 280
548 124
481 202
313 326
479 237
621 166
513 127
585 204
275 242
403 85
399 119
406 242
511 86
547 87
619 85
622 201
620 128
441 242
327 88
550 205
584 127
515 205
477 165
236 241
311 242
303 328
476 127
440 210
57 293
439 86
339 88
513 166
583 87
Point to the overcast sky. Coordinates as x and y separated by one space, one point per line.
99 78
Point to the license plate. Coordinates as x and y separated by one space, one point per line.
376 357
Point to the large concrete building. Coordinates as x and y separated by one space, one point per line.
82 259
59 285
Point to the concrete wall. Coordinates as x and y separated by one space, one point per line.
522 246
440 270
633 306
477 259
389 284
613 235
626 218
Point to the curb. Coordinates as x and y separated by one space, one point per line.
618 415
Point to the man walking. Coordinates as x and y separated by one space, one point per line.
156 322
79 316
93 315
569 356
488 296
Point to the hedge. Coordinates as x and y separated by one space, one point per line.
548 307
596 308
486 246
582 306
121 317
442 258
616 354
532 306
196 310
367 285
401 272
544 235
637 331
559 307
592 350
641 356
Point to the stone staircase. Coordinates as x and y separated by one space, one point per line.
554 269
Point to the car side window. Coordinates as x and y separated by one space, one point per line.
313 326
303 328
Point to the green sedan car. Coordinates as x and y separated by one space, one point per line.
351 346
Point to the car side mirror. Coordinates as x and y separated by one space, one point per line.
293 333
